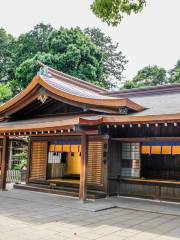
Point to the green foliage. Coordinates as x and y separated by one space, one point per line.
20 165
76 54
29 44
22 158
112 11
113 60
5 92
70 51
174 74
148 76
25 73
89 55
6 55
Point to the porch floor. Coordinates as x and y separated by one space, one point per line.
64 180
60 190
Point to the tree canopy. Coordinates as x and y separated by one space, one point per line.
148 76
70 51
87 54
112 11
113 60
6 55
5 92
27 45
174 73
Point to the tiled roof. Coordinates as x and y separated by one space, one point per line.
73 80
157 100
74 89
159 104
70 89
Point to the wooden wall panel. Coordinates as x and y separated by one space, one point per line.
114 166
95 163
38 161
143 131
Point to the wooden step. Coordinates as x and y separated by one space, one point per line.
66 191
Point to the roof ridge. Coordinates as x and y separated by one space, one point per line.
74 80
168 88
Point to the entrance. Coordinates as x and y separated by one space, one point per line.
64 162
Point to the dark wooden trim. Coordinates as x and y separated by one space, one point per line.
5 156
83 173
54 138
28 162
147 139
81 105
66 133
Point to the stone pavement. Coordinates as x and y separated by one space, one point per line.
26 215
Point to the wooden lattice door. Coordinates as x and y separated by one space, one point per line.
38 162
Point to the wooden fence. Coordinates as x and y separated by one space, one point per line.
13 176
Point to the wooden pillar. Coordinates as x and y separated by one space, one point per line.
10 154
4 165
83 173
28 161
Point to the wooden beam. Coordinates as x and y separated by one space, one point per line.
4 165
83 172
147 139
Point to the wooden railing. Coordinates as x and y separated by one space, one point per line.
13 176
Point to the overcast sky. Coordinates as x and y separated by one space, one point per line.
151 37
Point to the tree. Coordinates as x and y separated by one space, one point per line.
174 74
6 55
70 51
5 92
113 60
29 44
88 54
112 11
148 76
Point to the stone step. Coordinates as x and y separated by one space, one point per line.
66 191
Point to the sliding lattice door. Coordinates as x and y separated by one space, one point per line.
38 160
95 163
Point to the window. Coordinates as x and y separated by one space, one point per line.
130 164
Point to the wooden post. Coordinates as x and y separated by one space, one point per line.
28 161
4 165
10 154
83 173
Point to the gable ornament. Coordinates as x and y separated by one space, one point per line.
42 97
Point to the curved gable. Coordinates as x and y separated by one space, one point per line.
45 85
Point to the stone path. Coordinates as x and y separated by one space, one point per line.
28 215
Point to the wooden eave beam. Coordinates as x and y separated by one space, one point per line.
49 132
82 105
151 119
35 129
23 103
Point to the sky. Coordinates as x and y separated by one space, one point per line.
151 37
